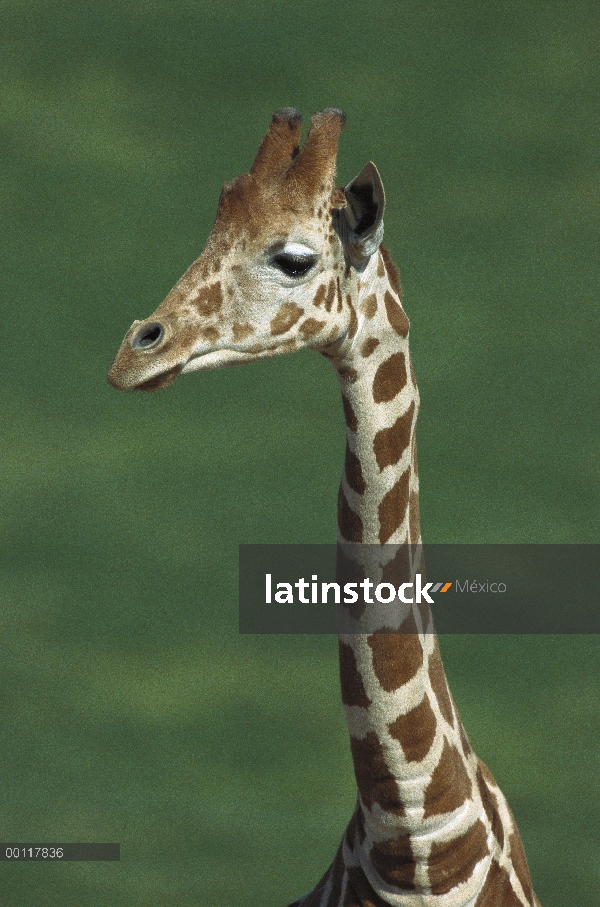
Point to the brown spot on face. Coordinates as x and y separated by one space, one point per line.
380 266
349 522
519 861
392 271
349 415
395 863
393 507
241 331
396 658
310 327
347 374
340 304
353 690
451 863
390 443
331 238
497 889
396 315
353 471
373 776
369 306
439 684
449 786
390 378
369 346
257 348
210 334
329 298
287 316
216 265
415 731
320 295
353 327
208 300
491 809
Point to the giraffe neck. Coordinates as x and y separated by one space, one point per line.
423 830
378 500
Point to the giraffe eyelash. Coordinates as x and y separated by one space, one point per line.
294 265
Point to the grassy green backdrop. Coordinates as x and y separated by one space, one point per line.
132 711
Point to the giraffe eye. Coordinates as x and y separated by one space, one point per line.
294 265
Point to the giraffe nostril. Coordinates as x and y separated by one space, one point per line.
150 335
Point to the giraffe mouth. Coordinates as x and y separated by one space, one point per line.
160 381
216 359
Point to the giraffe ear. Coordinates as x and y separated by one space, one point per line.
360 224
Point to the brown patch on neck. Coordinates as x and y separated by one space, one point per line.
340 304
390 443
439 684
396 658
392 271
393 508
390 378
352 329
395 862
451 863
349 522
373 776
396 315
359 892
353 471
369 306
415 731
498 890
353 690
349 414
369 346
449 786
490 807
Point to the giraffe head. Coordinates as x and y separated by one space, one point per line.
285 252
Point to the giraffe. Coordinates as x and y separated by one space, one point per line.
294 262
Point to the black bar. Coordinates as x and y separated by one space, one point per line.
58 853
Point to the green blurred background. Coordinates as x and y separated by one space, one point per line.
132 709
